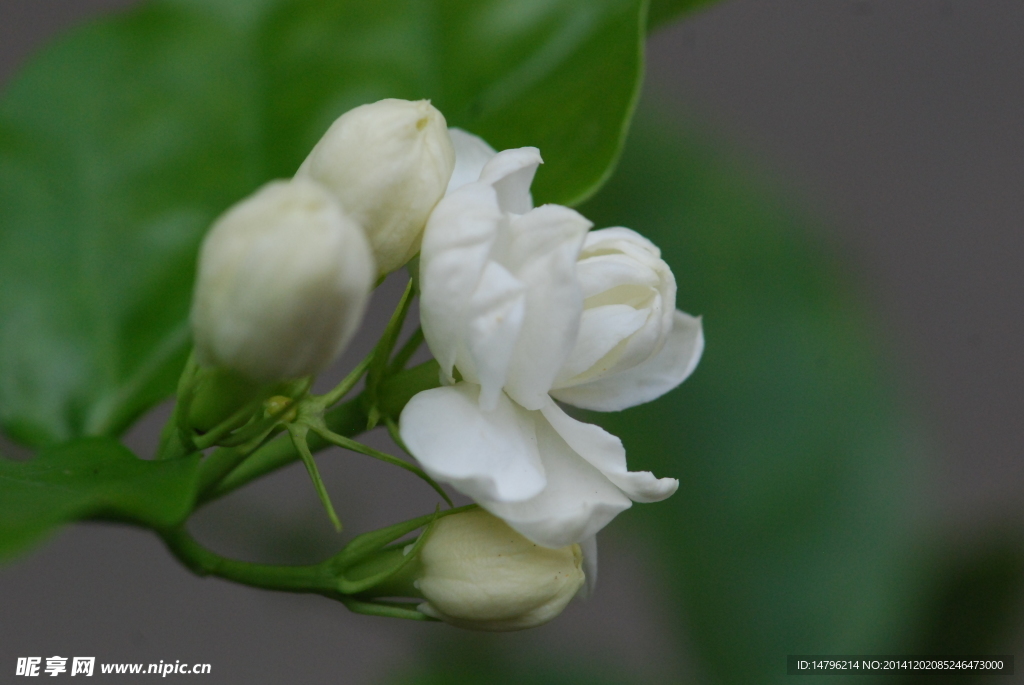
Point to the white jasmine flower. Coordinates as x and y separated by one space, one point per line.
500 298
283 278
633 345
480 574
502 304
554 479
388 163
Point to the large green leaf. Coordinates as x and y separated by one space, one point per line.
666 11
790 532
561 75
120 143
90 477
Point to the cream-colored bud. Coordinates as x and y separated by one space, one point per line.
478 573
282 283
388 163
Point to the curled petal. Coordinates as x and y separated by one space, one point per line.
510 173
471 156
608 272
489 456
647 381
605 452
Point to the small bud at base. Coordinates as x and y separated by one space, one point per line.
478 573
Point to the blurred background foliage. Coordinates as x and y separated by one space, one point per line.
798 525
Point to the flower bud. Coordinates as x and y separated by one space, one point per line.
633 345
388 163
478 573
282 282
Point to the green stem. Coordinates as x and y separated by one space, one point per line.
172 445
396 436
355 446
339 391
223 461
382 353
346 419
298 434
407 351
314 579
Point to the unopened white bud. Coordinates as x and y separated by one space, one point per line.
282 283
388 163
478 573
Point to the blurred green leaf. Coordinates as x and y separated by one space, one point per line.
120 143
664 12
790 532
561 75
481 659
90 477
973 605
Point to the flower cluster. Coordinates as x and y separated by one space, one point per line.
524 308
527 306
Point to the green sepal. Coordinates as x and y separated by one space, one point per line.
382 355
397 390
362 546
298 434
390 560
386 609
219 393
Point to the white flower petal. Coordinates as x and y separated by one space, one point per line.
471 155
577 502
601 273
617 238
605 452
647 381
511 172
456 245
495 319
489 456
601 329
541 251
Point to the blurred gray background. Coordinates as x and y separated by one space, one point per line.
899 123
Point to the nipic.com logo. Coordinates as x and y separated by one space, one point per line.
33 666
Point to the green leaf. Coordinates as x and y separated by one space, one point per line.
90 477
561 75
974 597
118 146
664 12
465 658
120 143
790 533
